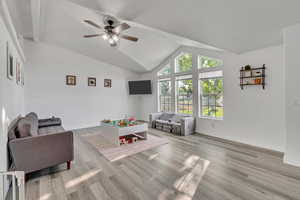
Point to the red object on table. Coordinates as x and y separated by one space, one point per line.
131 119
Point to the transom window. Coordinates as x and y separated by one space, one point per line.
207 62
165 71
183 63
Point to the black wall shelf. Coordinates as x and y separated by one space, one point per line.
253 76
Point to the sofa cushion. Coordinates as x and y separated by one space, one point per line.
176 118
51 130
23 129
24 124
161 121
166 116
34 123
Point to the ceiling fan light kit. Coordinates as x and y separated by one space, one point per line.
112 31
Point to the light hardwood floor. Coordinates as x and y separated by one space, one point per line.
192 167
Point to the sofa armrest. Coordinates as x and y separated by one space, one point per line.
153 117
42 151
188 125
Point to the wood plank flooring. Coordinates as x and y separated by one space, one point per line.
192 167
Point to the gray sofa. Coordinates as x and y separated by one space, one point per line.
178 124
37 144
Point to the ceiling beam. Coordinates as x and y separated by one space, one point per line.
36 15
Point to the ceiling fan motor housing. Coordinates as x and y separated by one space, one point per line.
110 21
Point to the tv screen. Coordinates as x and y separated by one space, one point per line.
140 87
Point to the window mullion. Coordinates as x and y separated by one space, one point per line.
173 86
195 85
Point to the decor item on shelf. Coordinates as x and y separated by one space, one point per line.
107 83
70 80
92 81
247 67
257 81
9 62
252 76
248 71
257 73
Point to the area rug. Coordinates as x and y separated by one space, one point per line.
113 153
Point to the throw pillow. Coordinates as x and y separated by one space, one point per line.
23 128
34 123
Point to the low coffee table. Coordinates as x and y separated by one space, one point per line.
112 132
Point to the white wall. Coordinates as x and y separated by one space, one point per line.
292 106
11 95
79 106
252 116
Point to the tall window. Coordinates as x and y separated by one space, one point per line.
211 94
165 98
184 94
180 76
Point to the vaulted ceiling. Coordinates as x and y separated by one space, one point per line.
161 25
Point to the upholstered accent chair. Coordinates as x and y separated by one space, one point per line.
178 124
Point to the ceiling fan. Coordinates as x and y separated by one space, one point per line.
112 30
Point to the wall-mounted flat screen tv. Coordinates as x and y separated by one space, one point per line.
140 87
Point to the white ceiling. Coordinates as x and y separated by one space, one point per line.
161 25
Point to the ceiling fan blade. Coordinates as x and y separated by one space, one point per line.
94 35
122 27
128 37
92 23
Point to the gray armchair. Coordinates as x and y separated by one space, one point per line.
178 124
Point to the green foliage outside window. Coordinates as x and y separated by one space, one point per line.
165 71
185 87
212 97
185 96
184 63
206 62
165 88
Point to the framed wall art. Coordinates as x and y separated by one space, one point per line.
70 80
9 62
107 83
18 72
92 81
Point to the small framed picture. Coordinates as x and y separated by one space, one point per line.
22 75
9 63
18 73
70 80
107 83
92 81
